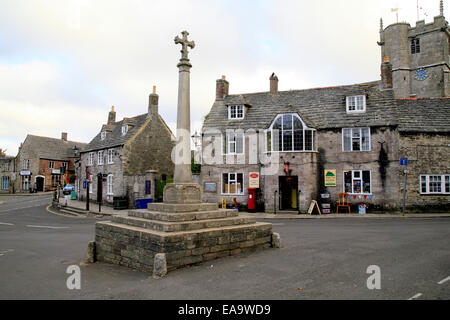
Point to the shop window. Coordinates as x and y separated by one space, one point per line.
233 183
357 182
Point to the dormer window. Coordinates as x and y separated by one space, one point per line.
235 112
124 129
356 104
103 135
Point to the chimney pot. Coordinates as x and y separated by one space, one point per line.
64 136
112 116
153 103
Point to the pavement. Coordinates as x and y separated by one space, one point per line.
320 259
107 210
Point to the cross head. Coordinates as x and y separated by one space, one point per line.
185 44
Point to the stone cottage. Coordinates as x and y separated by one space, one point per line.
45 163
128 158
287 148
7 175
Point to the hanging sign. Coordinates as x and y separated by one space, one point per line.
330 178
253 180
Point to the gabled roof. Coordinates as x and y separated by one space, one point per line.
115 138
52 148
319 108
325 108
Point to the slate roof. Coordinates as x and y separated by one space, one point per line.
424 115
325 108
115 138
52 148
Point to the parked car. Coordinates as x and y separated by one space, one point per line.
68 189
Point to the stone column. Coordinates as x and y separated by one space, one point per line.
183 190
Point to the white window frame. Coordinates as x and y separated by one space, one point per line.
91 159
356 104
5 183
109 185
124 129
26 164
281 142
103 135
356 178
236 112
238 193
100 157
26 182
110 156
230 139
425 178
51 164
360 139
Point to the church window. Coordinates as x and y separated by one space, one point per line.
415 46
288 133
235 112
356 104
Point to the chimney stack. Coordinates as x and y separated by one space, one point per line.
273 84
112 116
64 136
153 103
386 73
222 86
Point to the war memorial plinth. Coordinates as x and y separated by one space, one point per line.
181 230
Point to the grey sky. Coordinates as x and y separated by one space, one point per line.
63 64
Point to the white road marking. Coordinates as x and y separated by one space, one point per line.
6 224
48 227
415 296
444 280
2 253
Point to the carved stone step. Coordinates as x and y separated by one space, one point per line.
185 207
166 226
183 216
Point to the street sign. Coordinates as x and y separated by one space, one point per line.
84 184
403 161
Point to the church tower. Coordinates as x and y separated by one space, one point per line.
415 60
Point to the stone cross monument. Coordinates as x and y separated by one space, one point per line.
183 190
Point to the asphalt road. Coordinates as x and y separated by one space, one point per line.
321 259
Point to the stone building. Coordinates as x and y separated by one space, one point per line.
45 163
128 158
7 175
295 146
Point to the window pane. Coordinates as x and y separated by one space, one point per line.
366 181
269 140
240 111
225 183
365 139
356 142
297 123
287 140
308 140
447 184
277 124
423 184
347 139
351 105
298 140
356 186
348 181
240 183
287 121
360 103
435 184
239 143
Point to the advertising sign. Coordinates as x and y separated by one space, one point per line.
253 180
330 178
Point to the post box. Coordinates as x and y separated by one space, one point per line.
251 199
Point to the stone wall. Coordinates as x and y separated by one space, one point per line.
427 154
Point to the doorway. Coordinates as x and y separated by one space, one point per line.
288 192
40 184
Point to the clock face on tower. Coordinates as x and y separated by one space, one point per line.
421 74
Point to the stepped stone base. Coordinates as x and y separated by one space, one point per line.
186 237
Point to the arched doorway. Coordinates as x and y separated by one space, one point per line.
40 183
